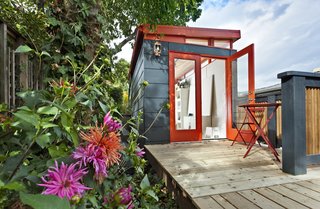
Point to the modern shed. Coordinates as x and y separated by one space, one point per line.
197 72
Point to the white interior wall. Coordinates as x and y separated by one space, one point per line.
192 95
213 93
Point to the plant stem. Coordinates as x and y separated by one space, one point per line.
91 63
24 155
154 120
21 160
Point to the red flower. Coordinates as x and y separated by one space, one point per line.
108 142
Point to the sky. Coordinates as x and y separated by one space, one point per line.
286 33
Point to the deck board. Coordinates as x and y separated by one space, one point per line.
207 203
259 200
213 174
307 201
223 202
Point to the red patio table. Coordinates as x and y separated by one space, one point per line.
249 111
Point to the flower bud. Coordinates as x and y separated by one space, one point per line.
75 199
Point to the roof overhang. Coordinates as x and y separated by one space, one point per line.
177 34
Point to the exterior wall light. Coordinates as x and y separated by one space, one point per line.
157 48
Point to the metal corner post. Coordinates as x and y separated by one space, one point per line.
294 160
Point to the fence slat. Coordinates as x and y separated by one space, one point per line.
313 121
3 61
13 79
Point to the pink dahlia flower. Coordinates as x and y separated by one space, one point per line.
109 143
111 124
95 155
64 181
125 197
140 152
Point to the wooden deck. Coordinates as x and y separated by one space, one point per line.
213 174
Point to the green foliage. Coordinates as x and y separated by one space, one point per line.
38 201
116 94
74 44
26 18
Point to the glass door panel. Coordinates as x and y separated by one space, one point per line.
185 97
240 86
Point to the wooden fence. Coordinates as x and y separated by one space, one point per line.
16 70
300 120
313 120
270 95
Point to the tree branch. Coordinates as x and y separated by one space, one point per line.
119 46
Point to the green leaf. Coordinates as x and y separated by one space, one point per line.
59 107
74 136
39 201
28 117
152 194
45 53
66 121
145 182
94 201
31 98
48 125
17 186
23 49
24 108
43 140
81 97
48 110
71 103
58 151
53 21
134 130
87 103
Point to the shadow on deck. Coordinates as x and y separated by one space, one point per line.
213 174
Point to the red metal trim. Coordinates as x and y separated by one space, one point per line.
178 34
172 38
201 55
194 32
136 51
185 135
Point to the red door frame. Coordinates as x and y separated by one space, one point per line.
231 132
185 135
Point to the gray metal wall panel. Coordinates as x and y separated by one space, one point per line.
158 135
156 93
156 76
294 159
153 105
136 94
153 62
161 121
157 90
200 49
137 77
148 47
